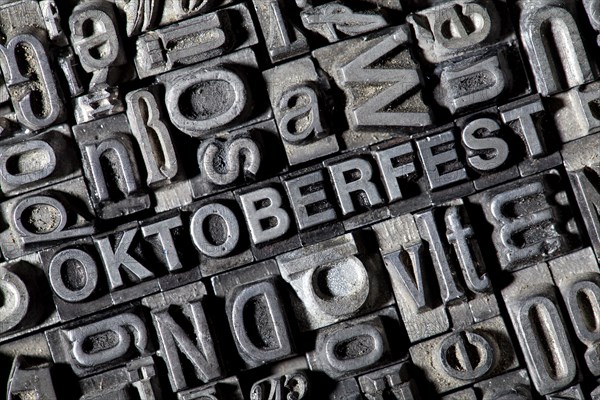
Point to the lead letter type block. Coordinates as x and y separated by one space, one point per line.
256 314
582 160
283 39
535 314
548 25
578 278
298 107
26 52
333 280
362 66
97 346
197 346
108 145
531 220
228 79
455 28
405 259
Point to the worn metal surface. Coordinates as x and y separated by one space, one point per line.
299 199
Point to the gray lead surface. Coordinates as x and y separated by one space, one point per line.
298 200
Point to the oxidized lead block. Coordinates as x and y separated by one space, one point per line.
575 112
141 15
26 65
313 205
474 81
33 88
552 24
531 220
571 393
97 346
256 314
46 216
582 160
28 162
394 383
333 280
283 39
349 348
74 273
445 172
292 385
147 123
268 217
336 20
457 251
30 380
297 97
107 145
455 28
398 107
404 256
578 278
97 43
138 379
358 191
194 40
403 176
591 8
403 242
535 314
512 385
528 119
219 234
26 297
52 20
228 388
346 389
174 339
215 95
490 153
466 356
19 15
236 158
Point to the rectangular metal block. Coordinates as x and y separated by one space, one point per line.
235 158
244 95
373 346
531 219
269 219
334 280
324 19
257 313
105 342
219 234
540 327
347 65
297 92
399 235
65 210
402 175
30 161
194 40
446 368
313 204
28 300
108 144
283 39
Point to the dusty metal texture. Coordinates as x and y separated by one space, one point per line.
299 199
